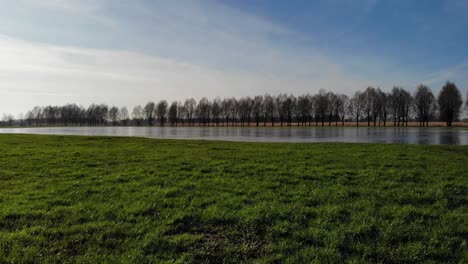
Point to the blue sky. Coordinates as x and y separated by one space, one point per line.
129 52
420 36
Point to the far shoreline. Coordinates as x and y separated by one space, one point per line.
414 124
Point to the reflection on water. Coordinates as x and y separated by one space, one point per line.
448 139
412 135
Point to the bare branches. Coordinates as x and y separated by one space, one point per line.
372 105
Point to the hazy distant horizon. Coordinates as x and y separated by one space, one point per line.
127 53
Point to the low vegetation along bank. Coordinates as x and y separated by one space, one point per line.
96 199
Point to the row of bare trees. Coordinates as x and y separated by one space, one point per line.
374 106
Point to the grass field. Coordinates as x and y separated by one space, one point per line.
132 200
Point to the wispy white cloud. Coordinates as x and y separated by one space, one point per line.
164 49
46 74
447 74
79 11
73 6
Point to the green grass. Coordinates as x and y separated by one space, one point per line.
132 200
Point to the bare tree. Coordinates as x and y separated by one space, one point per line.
29 118
394 102
356 106
401 102
341 107
36 114
312 105
297 111
245 110
182 112
425 104
369 98
466 102
268 109
149 111
8 119
280 108
190 108
161 111
91 115
173 113
376 106
304 108
257 108
114 115
137 115
124 117
226 106
103 113
321 106
234 110
72 114
203 111
382 106
216 110
97 114
289 105
372 105
450 102
51 114
407 102
332 107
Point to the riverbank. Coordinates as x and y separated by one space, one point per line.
108 199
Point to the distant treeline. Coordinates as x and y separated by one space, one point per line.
378 108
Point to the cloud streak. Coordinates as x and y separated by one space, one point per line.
82 6
149 50
56 75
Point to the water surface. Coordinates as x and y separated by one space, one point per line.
411 135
